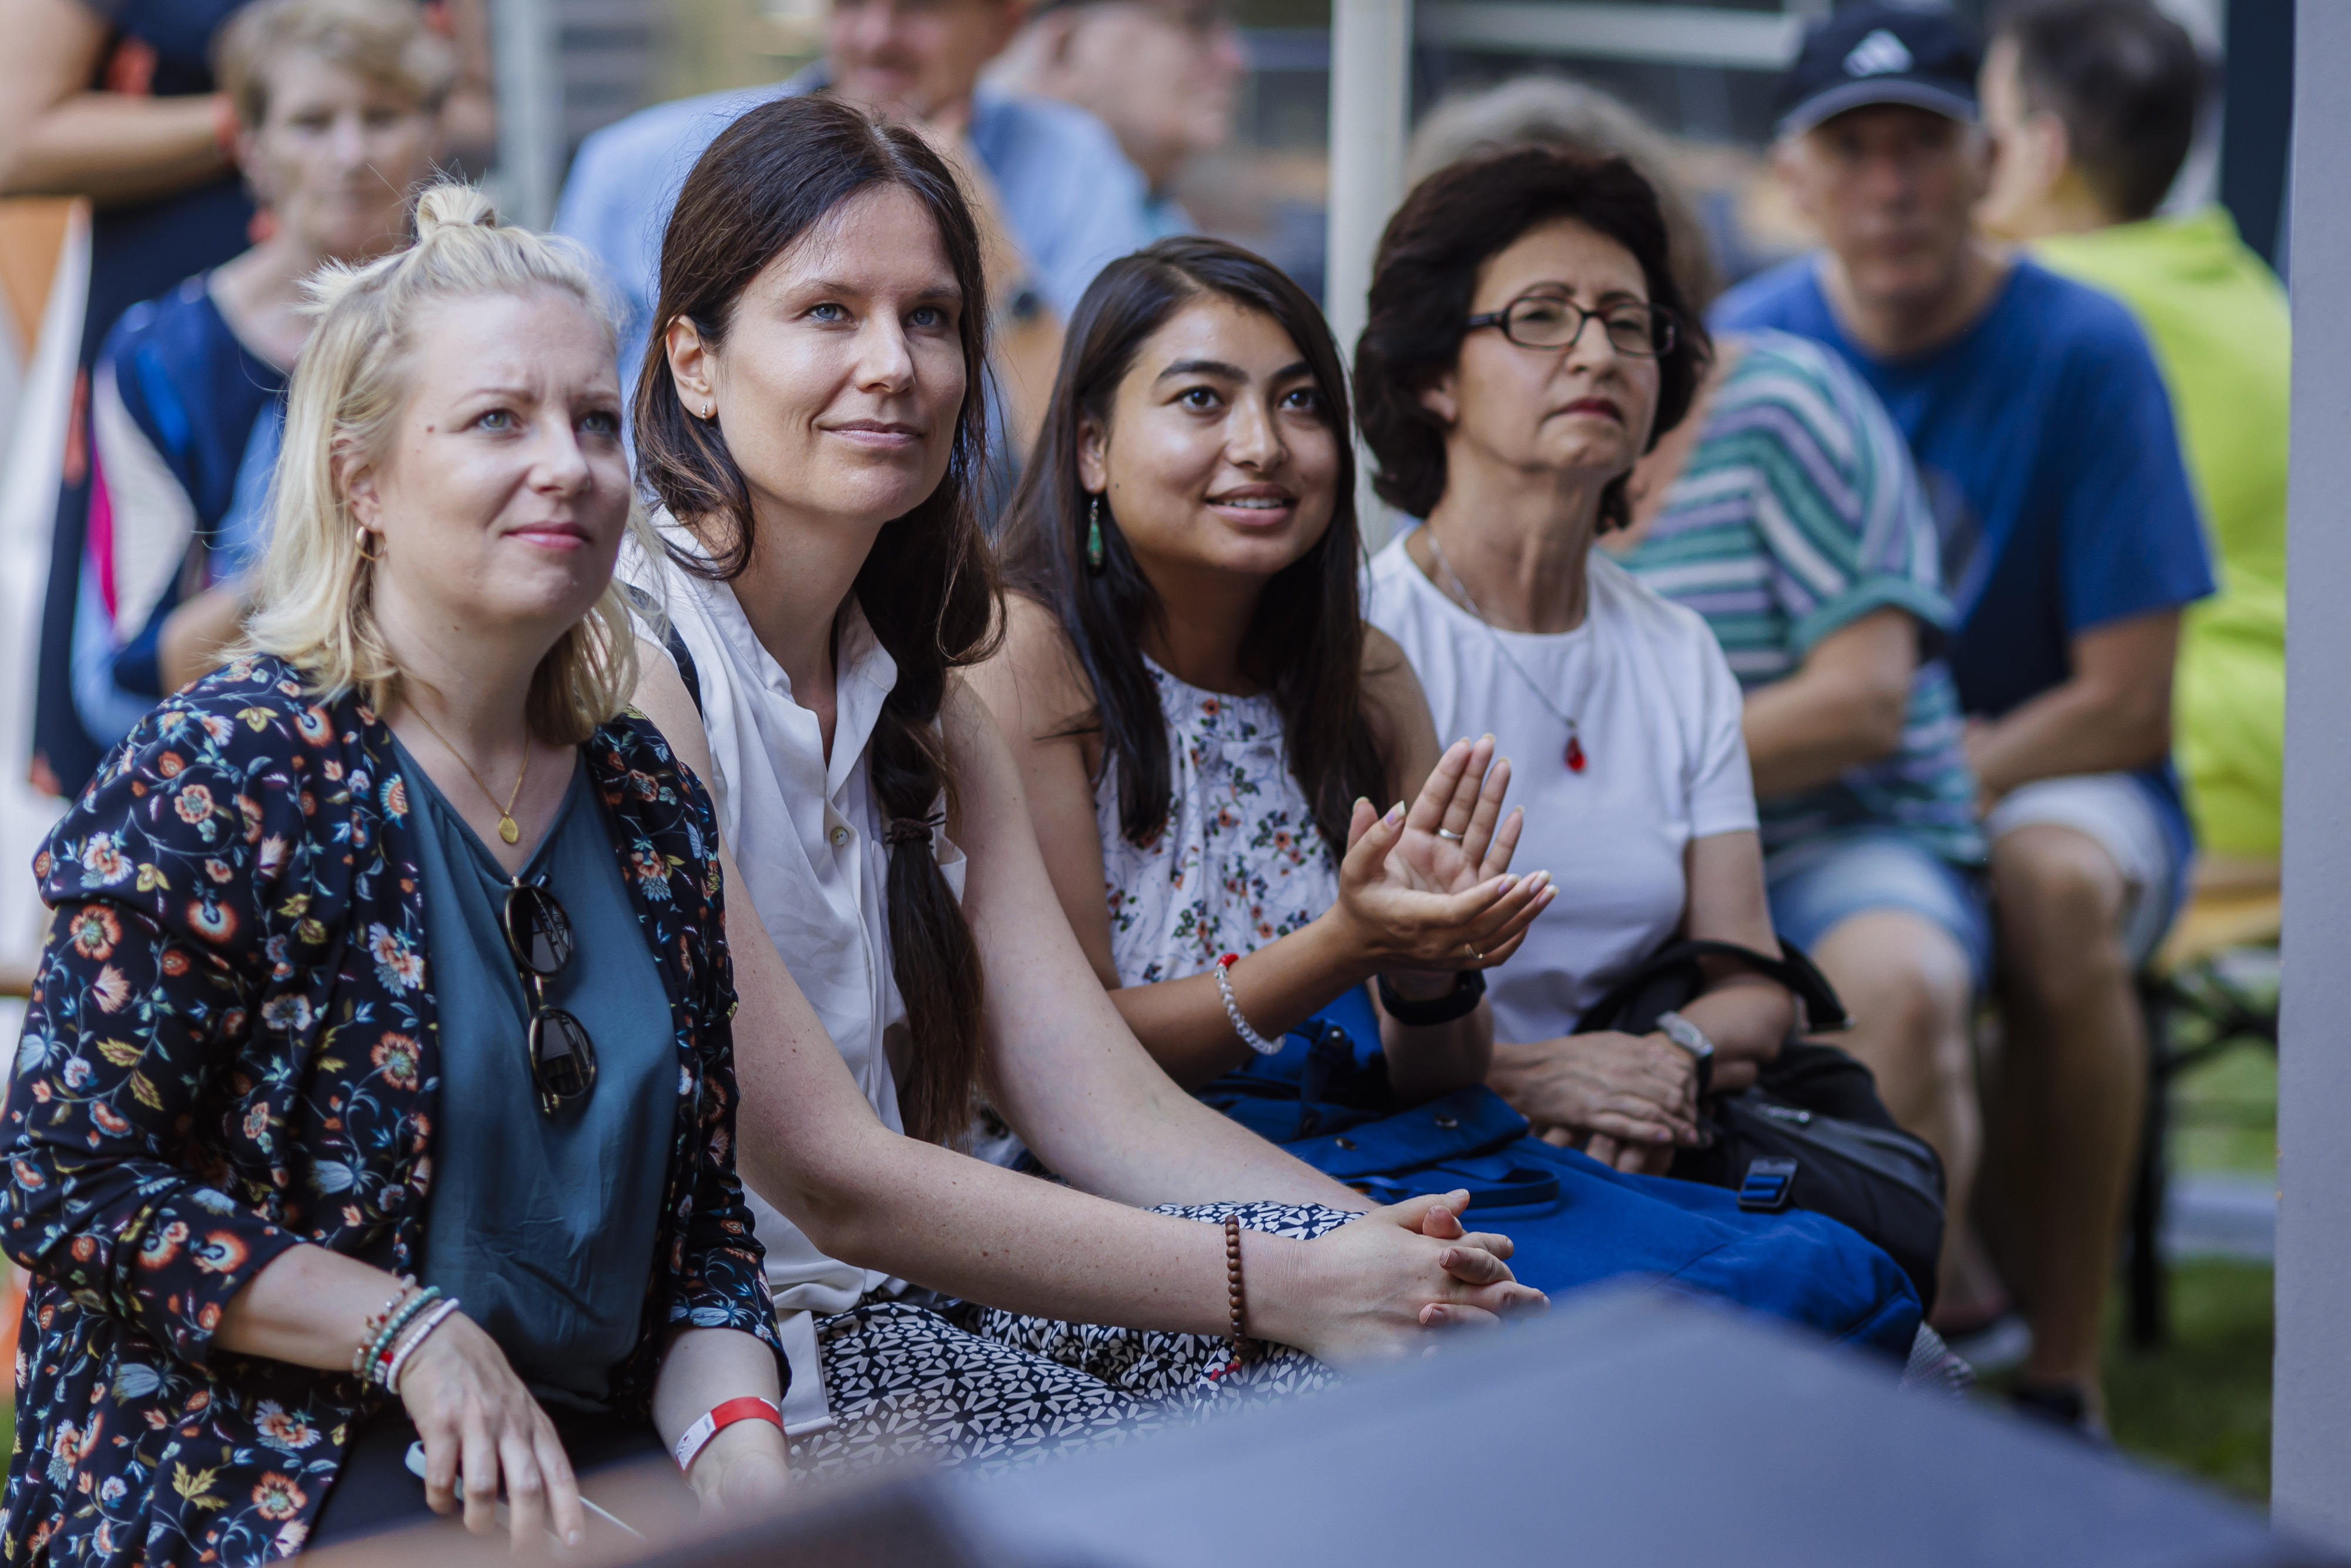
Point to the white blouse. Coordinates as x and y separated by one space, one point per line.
805 835
1656 714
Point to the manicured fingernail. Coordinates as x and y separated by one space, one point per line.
573 1539
1507 883
1395 812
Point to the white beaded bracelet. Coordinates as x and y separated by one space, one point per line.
1249 1037
397 1360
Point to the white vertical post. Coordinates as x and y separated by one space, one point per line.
525 72
1371 63
2311 1431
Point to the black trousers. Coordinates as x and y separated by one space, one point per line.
374 1491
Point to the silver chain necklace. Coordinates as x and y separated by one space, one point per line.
1575 756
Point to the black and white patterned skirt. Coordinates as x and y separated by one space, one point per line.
975 1385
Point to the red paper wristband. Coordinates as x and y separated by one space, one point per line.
750 1408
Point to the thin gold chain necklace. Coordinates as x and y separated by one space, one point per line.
509 829
1573 757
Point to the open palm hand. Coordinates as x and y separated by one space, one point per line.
1429 887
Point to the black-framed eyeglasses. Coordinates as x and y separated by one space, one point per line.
1544 321
539 937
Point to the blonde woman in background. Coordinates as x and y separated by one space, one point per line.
314 1156
117 102
338 106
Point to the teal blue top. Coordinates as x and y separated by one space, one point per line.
544 1227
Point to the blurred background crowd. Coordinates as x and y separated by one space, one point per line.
146 144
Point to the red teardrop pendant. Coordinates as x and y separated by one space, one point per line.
1575 753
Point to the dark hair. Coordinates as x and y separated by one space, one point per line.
927 588
1579 119
1426 275
1305 642
2126 81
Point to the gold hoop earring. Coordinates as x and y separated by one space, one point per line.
365 534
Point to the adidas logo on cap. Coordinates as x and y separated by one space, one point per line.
1880 54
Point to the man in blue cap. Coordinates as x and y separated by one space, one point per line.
2071 543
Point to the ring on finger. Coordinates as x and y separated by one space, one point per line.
1448 835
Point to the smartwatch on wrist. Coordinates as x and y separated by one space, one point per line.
1692 1038
1459 1002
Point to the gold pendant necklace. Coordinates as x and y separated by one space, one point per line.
1575 756
508 829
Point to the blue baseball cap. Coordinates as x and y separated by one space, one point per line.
1880 54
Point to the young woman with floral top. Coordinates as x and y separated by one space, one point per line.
281 1056
1185 513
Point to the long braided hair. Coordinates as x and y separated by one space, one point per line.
927 588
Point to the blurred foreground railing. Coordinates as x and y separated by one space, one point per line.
1630 1426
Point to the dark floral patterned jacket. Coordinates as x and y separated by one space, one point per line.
231 1049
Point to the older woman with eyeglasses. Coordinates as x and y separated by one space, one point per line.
1526 344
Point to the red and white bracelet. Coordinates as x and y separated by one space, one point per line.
750 1408
1249 1037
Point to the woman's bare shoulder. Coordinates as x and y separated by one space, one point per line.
1034 682
1393 703
1385 666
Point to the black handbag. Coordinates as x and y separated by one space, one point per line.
1812 1132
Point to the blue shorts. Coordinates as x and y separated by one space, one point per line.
1816 884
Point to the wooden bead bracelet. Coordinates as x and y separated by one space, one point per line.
1241 1351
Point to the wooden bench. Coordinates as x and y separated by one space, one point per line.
2196 1008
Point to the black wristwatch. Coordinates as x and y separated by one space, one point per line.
1468 985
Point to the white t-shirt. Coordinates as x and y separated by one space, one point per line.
806 833
1657 712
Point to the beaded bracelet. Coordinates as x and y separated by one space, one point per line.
374 1325
397 1362
1249 1037
1233 1299
415 1302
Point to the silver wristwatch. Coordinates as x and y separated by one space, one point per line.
1692 1038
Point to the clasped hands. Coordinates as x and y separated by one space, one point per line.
1374 1288
1632 1099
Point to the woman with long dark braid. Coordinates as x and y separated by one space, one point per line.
809 415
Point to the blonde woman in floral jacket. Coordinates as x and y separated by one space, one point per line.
281 1057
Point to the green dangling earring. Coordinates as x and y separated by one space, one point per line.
1093 534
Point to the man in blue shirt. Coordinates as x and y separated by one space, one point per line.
2070 543
1162 74
1048 175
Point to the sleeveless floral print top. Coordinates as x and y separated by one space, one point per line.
1238 862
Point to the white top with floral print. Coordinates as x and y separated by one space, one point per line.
1238 862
